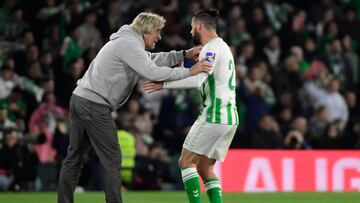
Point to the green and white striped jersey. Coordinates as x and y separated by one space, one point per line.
217 87
218 90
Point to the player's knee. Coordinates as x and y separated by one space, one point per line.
182 163
185 163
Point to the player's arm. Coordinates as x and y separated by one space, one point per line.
194 81
190 82
186 83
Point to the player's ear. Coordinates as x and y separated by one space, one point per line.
200 26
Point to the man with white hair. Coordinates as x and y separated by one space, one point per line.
106 85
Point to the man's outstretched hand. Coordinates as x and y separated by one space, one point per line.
193 53
200 66
152 86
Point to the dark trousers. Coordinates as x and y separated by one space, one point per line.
91 125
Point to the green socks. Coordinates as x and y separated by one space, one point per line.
192 184
213 190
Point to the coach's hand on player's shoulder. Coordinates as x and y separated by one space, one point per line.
152 86
193 53
200 66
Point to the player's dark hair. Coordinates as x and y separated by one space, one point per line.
209 17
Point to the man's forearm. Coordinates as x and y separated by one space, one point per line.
167 58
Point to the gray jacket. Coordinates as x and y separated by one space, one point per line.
119 66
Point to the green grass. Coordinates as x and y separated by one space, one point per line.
179 197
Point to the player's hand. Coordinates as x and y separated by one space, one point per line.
193 53
200 66
152 86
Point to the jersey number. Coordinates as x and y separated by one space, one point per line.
231 79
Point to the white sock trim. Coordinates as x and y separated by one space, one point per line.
189 173
212 184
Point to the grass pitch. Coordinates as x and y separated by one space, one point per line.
179 197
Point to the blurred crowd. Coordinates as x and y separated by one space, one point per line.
298 81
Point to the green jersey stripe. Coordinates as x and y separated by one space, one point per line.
210 111
217 110
228 107
203 97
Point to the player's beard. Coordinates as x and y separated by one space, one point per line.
196 38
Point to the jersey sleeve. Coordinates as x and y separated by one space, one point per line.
210 55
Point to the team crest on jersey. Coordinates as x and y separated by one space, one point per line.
210 57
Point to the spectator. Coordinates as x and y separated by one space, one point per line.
267 136
333 137
238 34
6 82
289 80
300 125
15 25
350 24
272 51
68 81
89 35
128 150
294 32
46 62
5 123
352 138
338 65
284 119
5 11
44 121
245 58
181 107
310 49
317 125
351 135
331 98
295 140
9 159
27 166
353 60
298 54
52 41
115 16
257 96
257 23
70 48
